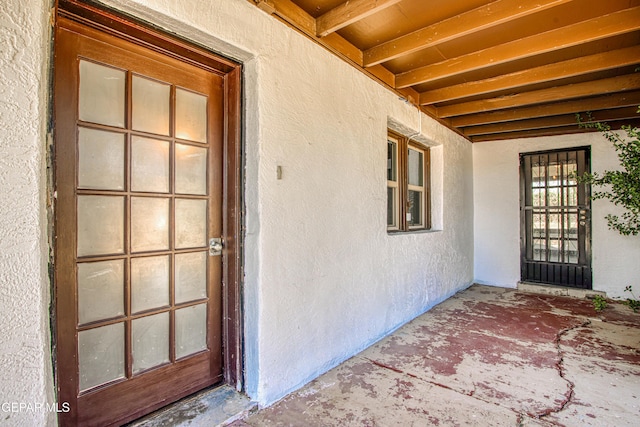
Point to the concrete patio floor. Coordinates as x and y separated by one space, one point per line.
486 357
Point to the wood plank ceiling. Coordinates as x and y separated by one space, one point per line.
489 70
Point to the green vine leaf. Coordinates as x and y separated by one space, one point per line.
620 187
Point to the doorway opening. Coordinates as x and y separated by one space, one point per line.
555 218
147 215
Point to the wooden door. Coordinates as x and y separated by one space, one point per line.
139 187
555 223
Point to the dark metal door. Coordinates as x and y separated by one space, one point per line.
555 218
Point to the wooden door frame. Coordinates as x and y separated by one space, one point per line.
128 28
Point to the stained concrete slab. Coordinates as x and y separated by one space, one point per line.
486 357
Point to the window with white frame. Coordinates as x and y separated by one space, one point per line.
407 184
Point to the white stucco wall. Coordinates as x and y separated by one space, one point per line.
25 357
497 215
323 278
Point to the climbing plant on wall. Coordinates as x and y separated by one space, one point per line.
621 187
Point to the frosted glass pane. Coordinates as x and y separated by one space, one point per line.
191 276
191 223
149 283
150 337
191 169
150 111
101 97
100 290
191 330
100 159
191 116
101 355
149 165
149 224
100 225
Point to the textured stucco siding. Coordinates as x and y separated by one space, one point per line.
323 278
497 214
25 361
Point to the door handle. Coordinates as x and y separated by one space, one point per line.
215 246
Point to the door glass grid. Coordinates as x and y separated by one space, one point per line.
553 221
142 264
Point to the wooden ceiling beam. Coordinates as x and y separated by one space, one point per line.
289 12
559 70
298 18
347 13
559 93
623 99
625 113
481 18
610 25
552 131
534 133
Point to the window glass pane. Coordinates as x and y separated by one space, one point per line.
571 219
392 160
191 330
100 225
191 223
150 111
414 209
191 169
191 116
539 196
571 254
391 207
570 170
100 159
571 196
553 174
570 237
539 224
100 290
150 338
553 196
149 165
415 167
149 283
191 276
101 355
149 224
554 234
539 250
538 173
101 94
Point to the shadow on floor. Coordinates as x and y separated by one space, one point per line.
486 357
